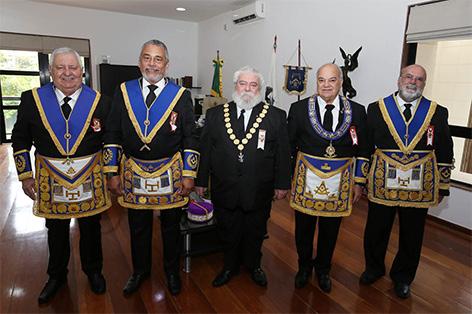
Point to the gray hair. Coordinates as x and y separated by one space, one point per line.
249 69
337 67
65 50
158 43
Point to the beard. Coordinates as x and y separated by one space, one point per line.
152 78
408 95
246 100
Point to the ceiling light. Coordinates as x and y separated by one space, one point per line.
181 9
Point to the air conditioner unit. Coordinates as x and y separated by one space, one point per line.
253 12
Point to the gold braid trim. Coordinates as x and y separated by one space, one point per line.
136 168
401 166
147 139
393 131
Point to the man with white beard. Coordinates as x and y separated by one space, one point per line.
245 154
411 165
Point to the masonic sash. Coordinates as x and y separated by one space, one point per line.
70 188
408 180
152 184
322 186
147 121
67 134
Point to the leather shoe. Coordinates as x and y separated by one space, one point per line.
324 282
259 277
222 278
402 290
301 278
50 289
174 284
368 278
97 283
134 282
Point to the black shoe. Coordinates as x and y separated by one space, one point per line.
324 282
50 289
134 282
222 278
97 283
259 277
174 284
402 290
368 278
302 278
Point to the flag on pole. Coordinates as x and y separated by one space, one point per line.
271 89
217 85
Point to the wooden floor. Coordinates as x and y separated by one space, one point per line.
443 283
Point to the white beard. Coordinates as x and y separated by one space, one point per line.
246 104
409 96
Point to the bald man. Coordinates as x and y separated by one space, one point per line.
329 147
412 158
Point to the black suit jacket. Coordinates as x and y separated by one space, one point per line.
249 185
304 138
29 129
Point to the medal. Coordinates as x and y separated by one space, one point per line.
241 157
330 151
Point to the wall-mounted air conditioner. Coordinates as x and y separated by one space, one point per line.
253 12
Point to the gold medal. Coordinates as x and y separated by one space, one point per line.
240 146
229 131
330 151
226 115
252 131
228 125
227 120
256 125
244 141
258 120
236 142
232 137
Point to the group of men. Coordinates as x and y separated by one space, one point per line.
142 146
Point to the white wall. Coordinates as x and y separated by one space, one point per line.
323 26
115 34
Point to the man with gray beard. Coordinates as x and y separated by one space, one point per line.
412 159
245 154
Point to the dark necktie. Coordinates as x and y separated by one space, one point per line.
407 112
66 109
328 118
241 123
151 96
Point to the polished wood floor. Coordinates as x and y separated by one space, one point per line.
443 283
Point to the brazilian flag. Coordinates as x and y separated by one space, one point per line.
217 85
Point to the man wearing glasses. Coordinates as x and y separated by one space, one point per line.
245 159
411 165
151 142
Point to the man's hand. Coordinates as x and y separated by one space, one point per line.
280 194
200 190
357 193
114 185
29 188
187 186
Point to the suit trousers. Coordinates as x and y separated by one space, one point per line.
90 245
242 233
140 224
377 234
328 229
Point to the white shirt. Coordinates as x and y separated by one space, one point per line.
247 115
73 98
160 86
335 110
402 103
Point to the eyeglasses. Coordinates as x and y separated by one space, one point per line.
251 84
149 59
411 77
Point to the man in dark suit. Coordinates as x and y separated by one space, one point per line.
329 150
411 166
64 120
151 141
245 159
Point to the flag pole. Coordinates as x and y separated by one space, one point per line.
299 58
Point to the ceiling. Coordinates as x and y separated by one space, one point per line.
197 10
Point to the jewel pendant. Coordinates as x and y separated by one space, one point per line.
241 157
330 151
